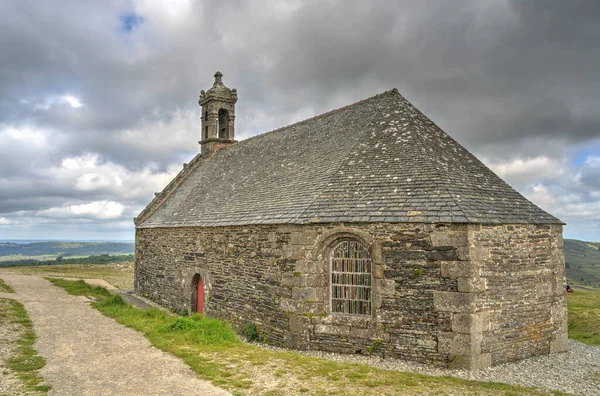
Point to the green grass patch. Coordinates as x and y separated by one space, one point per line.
210 348
182 336
584 316
26 363
5 288
204 330
80 288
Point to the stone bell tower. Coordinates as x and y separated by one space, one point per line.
218 117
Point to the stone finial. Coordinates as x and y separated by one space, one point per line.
218 92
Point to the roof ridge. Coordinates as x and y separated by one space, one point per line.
168 190
460 204
339 165
322 115
435 165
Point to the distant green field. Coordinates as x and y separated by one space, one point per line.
56 252
94 259
582 260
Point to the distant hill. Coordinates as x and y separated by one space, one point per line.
582 260
54 249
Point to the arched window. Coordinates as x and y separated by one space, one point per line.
350 274
223 121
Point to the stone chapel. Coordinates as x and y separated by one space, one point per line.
366 229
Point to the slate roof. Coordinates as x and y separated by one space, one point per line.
377 160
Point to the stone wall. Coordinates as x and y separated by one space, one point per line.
440 292
240 267
521 269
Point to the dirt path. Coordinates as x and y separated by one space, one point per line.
89 354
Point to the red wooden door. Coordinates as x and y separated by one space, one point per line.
200 296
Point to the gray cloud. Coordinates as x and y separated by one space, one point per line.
590 176
509 79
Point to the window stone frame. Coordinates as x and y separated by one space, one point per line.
321 252
329 256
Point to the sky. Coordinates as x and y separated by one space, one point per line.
98 100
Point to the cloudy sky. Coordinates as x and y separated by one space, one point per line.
98 100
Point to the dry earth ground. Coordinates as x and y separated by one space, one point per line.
89 354
119 275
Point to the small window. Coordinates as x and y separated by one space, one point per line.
206 132
223 124
350 268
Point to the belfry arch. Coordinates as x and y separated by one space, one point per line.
223 124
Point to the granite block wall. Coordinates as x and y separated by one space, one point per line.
524 299
439 291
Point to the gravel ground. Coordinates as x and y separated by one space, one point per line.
576 371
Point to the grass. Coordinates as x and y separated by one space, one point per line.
5 288
584 316
26 363
210 348
119 275
80 288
